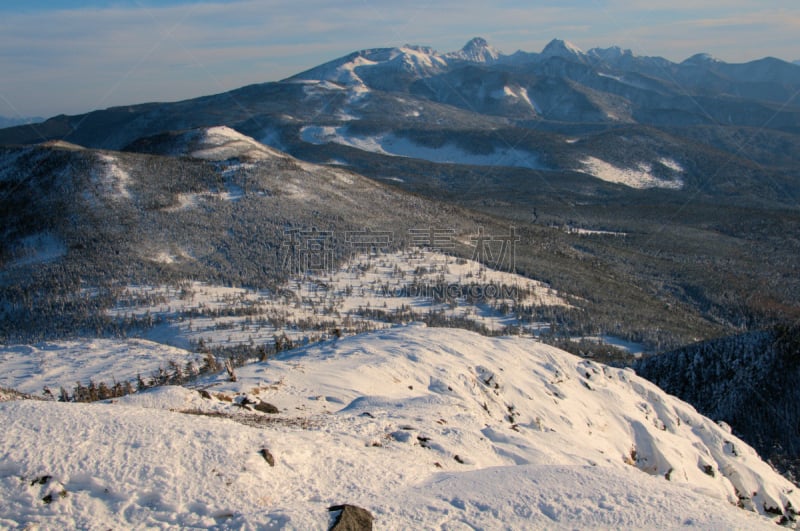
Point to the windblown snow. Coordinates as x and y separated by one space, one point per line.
425 428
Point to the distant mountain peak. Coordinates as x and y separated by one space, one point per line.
417 48
612 53
562 48
701 59
477 50
477 44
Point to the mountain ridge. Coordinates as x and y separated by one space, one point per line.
579 144
479 51
422 426
600 88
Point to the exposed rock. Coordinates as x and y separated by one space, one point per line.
268 457
266 407
51 496
351 518
41 480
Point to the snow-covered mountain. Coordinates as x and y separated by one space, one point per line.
477 50
169 215
700 59
414 89
367 66
381 68
562 49
601 130
601 140
654 201
406 85
210 143
422 427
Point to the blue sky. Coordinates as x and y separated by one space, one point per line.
65 56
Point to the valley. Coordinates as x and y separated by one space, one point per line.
417 281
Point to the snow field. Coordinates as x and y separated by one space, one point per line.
224 143
383 282
304 309
639 177
29 368
426 428
390 144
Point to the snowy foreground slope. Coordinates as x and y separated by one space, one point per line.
426 428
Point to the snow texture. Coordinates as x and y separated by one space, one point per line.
640 176
384 281
224 143
425 428
29 368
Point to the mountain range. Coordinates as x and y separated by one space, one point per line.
559 84
677 156
648 202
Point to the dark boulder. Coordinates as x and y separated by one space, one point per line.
351 518
266 407
268 457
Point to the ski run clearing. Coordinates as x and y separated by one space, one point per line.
425 428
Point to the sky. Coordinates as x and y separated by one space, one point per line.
70 57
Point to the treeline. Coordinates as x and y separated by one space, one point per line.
215 359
